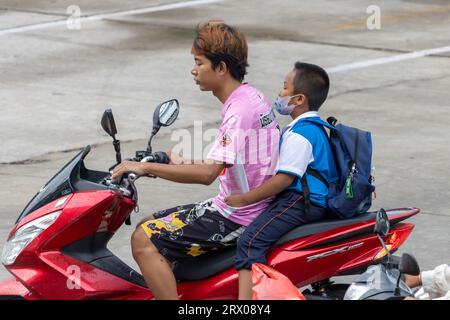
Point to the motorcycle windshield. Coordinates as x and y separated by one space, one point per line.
58 186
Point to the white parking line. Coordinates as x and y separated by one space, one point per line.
63 22
184 4
396 58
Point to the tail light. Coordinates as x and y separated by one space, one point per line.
394 240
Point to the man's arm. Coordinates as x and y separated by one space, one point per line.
176 158
183 173
271 187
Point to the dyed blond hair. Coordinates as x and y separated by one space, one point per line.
220 42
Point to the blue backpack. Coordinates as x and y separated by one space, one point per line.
351 194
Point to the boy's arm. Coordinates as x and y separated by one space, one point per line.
271 187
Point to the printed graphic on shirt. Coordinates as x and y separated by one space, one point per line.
226 140
266 118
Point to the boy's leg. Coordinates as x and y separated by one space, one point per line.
245 285
285 213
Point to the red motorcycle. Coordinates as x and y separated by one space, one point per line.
58 247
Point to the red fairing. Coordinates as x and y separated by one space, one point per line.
46 271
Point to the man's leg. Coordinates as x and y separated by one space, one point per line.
164 213
189 232
147 218
154 267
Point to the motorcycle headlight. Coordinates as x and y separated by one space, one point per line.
25 235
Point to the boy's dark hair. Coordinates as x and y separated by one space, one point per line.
313 82
221 42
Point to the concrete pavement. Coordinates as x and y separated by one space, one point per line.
55 84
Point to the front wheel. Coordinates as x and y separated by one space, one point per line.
11 289
326 290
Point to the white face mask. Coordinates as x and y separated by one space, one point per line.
281 105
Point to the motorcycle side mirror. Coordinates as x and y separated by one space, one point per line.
164 115
409 265
382 225
108 123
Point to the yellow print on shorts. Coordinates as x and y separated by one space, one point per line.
169 223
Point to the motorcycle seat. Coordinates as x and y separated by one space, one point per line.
209 264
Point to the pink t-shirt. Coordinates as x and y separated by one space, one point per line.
247 142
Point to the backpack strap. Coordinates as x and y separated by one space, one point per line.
305 188
320 122
317 175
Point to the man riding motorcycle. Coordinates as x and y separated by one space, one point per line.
220 54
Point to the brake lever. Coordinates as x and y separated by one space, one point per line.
111 169
132 177
149 158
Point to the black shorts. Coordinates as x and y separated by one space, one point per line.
190 230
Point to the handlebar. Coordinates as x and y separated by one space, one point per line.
125 183
156 157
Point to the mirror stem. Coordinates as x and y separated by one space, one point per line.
155 130
385 248
149 145
116 144
397 287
